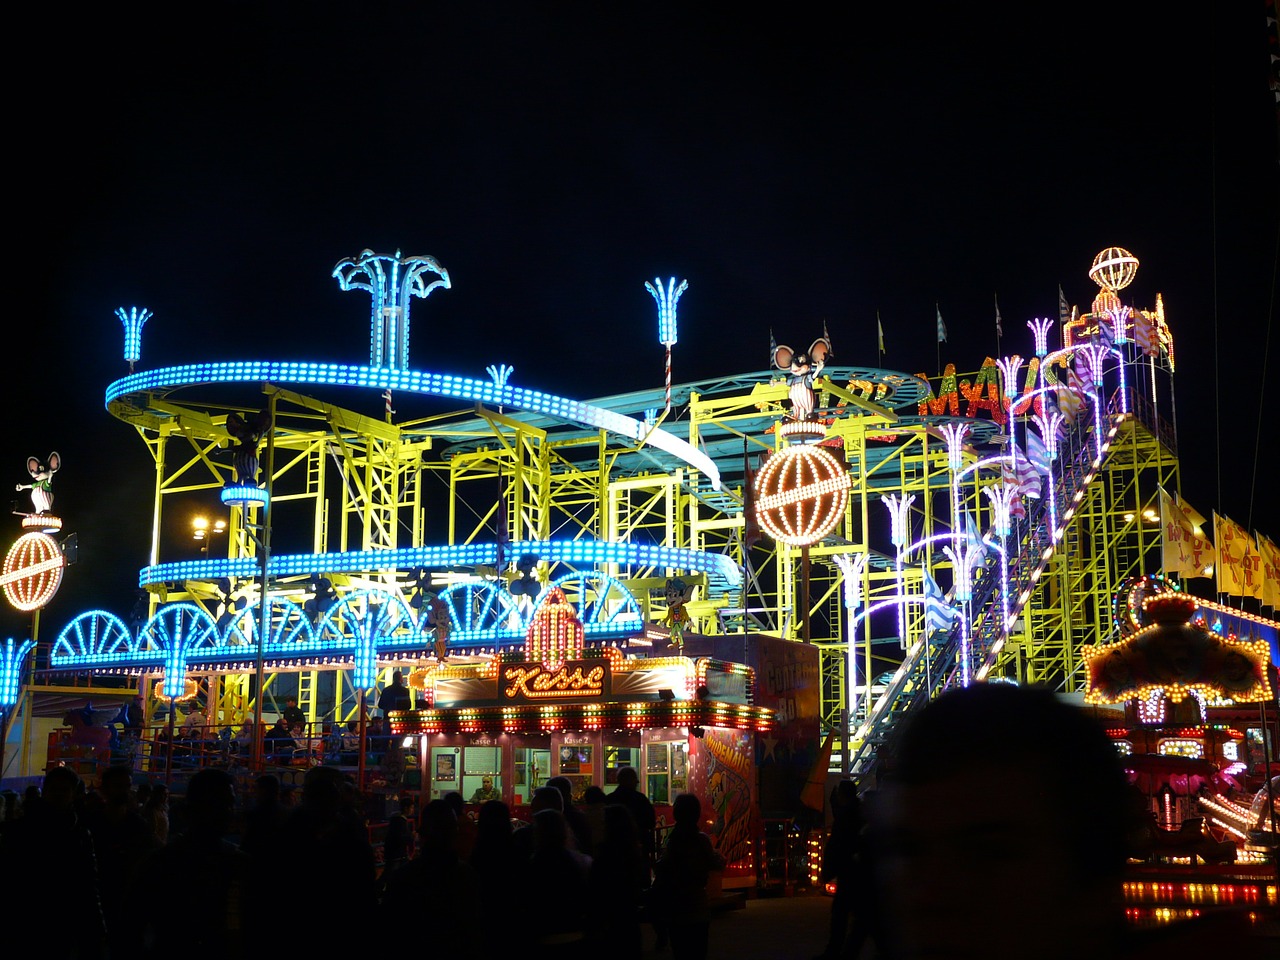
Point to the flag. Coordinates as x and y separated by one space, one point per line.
972 534
750 525
1021 474
1184 549
502 537
814 792
1270 554
1239 565
1144 332
942 327
1064 312
938 612
999 325
880 330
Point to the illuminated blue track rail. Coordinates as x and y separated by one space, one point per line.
459 555
413 381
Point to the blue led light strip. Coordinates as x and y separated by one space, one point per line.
413 381
460 555
362 627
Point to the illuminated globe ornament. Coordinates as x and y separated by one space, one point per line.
801 494
1114 268
32 571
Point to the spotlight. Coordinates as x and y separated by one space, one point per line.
703 693
665 694
698 732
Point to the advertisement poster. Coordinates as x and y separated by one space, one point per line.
789 682
722 774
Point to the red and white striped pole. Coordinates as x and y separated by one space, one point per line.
666 298
667 408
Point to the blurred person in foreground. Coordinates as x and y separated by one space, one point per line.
1000 832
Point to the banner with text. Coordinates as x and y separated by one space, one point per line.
1270 572
1239 565
1183 550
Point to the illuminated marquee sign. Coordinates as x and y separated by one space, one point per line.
532 682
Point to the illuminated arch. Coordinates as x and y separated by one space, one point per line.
176 627
481 612
287 626
602 603
95 634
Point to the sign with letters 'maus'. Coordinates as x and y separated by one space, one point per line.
533 682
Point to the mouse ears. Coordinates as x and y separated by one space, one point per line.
781 355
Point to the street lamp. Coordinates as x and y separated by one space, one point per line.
203 532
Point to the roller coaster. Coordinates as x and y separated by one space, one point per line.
990 521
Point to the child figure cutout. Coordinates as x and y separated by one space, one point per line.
677 594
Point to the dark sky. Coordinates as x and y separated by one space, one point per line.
796 167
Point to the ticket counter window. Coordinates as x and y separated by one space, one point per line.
481 765
615 758
666 770
576 763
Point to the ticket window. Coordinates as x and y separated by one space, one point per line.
577 763
666 769
477 764
615 758
532 770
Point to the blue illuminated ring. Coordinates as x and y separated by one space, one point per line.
412 381
578 552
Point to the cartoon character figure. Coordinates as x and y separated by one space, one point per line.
250 433
677 593
804 369
526 585
438 617
41 485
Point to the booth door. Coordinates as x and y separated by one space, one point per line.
666 768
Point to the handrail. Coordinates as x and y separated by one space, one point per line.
935 665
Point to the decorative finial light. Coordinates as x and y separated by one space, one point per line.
666 298
1040 328
899 512
133 320
1114 268
955 434
1009 374
392 281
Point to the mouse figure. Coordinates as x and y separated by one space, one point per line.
250 433
677 593
41 485
526 585
802 369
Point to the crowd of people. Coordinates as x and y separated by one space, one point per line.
111 870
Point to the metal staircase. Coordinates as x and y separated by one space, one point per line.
935 664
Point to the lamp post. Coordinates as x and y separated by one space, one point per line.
203 532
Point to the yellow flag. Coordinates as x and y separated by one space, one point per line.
1270 572
1184 549
1239 565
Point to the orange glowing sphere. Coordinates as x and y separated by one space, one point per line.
32 571
801 494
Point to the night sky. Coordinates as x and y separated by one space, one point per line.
796 168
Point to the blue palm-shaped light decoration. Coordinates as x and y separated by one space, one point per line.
11 657
392 281
133 319
667 297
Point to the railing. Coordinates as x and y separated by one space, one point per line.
935 663
193 749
